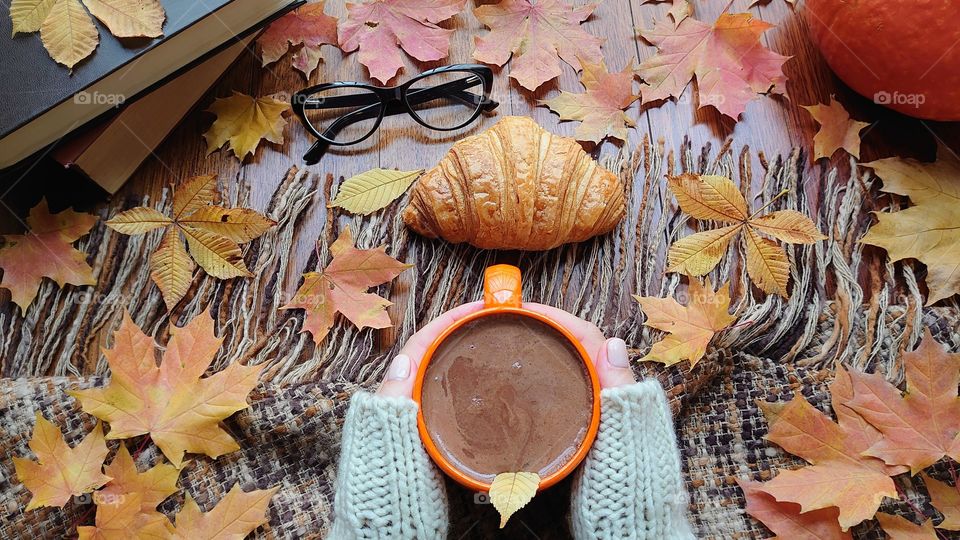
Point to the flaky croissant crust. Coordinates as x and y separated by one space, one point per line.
516 186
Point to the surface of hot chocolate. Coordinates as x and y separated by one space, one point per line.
507 393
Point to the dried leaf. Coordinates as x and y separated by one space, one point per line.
243 121
342 287
307 26
929 230
536 33
150 488
212 233
510 492
840 475
716 198
837 130
45 251
116 520
370 191
946 499
679 9
600 108
899 528
68 33
922 426
786 520
129 18
689 328
381 28
180 410
235 516
28 15
729 61
60 471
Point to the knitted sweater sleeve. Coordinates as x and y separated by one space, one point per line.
387 486
630 484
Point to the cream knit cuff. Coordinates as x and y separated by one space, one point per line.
630 485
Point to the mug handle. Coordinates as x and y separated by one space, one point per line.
501 286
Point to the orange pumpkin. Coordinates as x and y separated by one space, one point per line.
904 55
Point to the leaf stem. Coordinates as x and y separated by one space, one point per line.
771 201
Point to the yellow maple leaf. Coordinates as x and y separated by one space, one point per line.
690 328
510 492
243 121
837 130
372 190
150 487
235 516
180 410
927 231
213 235
67 30
60 471
716 198
900 528
600 107
342 287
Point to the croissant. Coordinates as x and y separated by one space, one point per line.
515 186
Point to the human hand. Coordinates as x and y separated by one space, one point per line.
608 355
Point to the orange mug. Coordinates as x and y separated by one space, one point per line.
502 295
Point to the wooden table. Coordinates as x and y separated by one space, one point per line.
770 125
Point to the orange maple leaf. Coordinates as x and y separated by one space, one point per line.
730 63
45 251
921 427
60 471
119 519
308 26
837 130
235 516
535 34
786 520
180 410
840 475
381 28
342 287
600 108
150 487
899 528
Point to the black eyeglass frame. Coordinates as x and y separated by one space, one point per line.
391 100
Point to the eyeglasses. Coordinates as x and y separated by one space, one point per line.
345 113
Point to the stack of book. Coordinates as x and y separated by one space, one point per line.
107 115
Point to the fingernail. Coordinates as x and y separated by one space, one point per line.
399 368
617 353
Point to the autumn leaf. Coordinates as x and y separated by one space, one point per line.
180 410
899 528
212 233
68 32
510 492
600 108
786 520
730 63
61 472
927 231
45 251
837 130
715 198
946 499
679 9
342 287
243 121
235 516
689 328
307 26
380 29
922 426
535 34
370 191
150 488
839 475
115 520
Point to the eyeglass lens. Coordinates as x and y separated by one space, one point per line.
344 114
446 100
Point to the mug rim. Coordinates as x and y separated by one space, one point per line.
441 460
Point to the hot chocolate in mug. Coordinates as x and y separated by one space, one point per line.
506 389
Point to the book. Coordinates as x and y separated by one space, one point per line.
109 151
43 100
